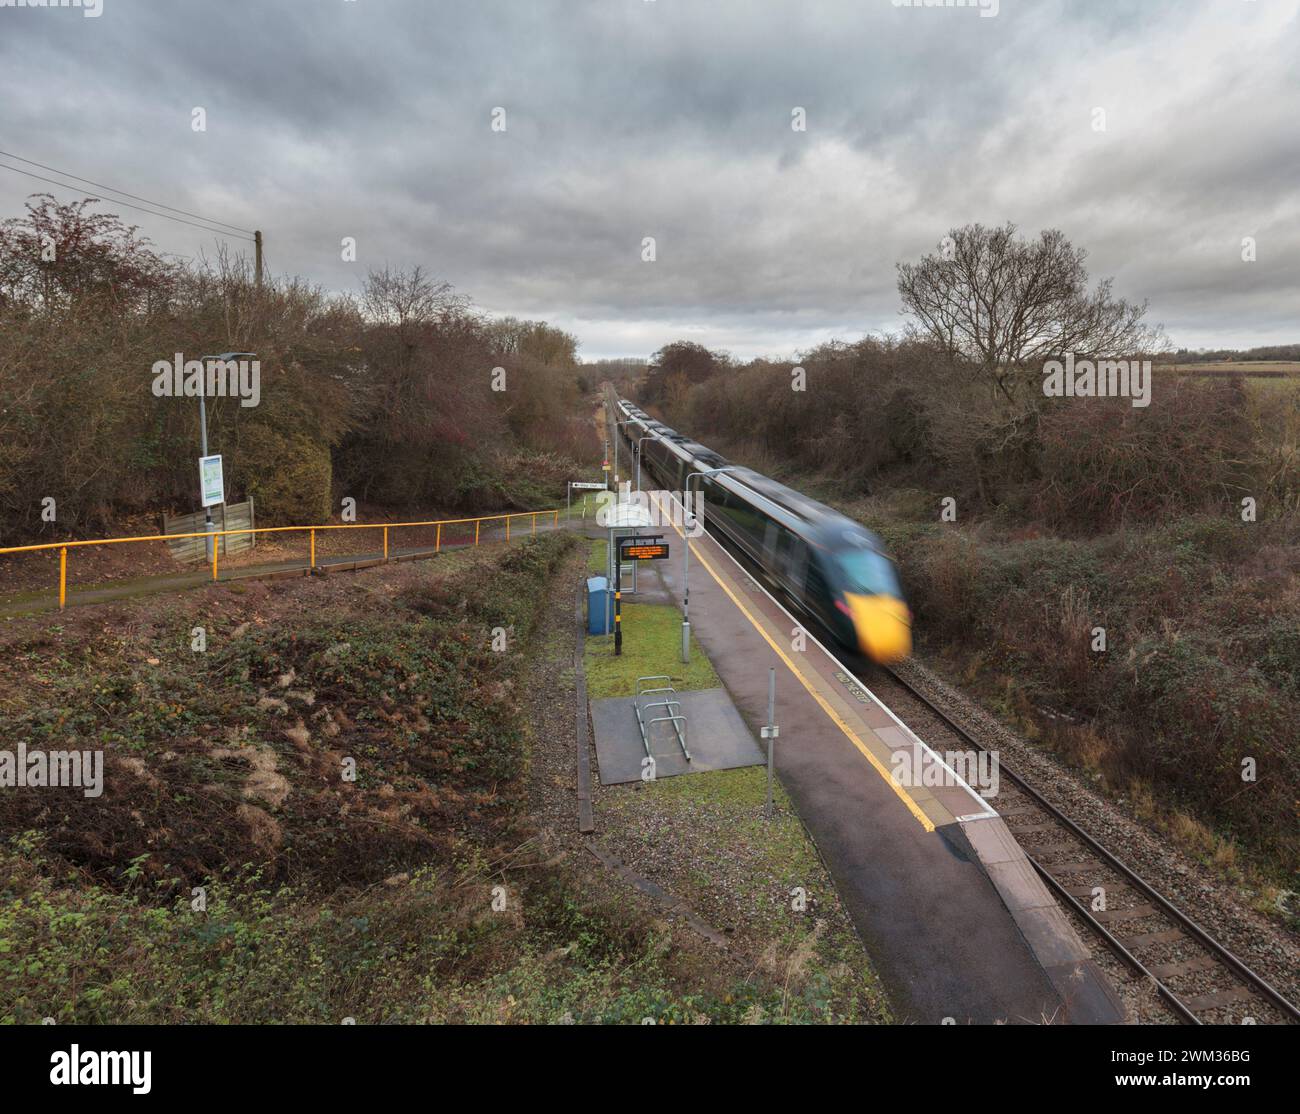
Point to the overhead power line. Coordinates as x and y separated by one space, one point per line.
218 231
134 197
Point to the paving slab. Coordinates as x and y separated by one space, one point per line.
716 736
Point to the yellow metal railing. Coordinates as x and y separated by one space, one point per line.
63 547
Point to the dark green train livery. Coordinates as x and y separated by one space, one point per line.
833 570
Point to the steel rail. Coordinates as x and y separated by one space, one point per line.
1241 970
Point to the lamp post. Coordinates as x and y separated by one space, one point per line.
628 421
686 573
647 437
203 429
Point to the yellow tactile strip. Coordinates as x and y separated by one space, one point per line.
876 735
931 809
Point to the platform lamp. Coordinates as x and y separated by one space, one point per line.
647 437
628 421
686 576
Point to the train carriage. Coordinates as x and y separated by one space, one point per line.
833 570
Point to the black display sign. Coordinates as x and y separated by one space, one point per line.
642 549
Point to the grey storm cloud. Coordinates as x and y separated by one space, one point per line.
672 119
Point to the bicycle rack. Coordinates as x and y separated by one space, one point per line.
673 707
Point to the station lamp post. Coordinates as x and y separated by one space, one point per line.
647 437
628 421
686 575
203 427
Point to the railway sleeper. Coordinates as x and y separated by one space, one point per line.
1183 967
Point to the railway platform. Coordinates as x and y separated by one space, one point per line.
956 920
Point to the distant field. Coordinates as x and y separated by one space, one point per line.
1261 369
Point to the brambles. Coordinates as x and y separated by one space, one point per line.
419 701
229 874
1200 669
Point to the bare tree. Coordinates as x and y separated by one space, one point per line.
1005 305
60 253
404 298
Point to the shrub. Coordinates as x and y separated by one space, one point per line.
1105 462
289 477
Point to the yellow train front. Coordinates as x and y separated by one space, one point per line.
873 616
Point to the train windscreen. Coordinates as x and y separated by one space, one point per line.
869 573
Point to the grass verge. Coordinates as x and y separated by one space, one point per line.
704 838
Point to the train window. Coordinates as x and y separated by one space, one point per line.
799 563
815 585
791 558
869 572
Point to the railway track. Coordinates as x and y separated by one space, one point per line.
1197 978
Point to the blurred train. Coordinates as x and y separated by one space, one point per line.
833 570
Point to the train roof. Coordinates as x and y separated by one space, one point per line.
798 506
784 497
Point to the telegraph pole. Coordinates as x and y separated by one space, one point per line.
257 266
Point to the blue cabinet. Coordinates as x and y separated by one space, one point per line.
598 605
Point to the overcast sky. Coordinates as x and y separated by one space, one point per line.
672 118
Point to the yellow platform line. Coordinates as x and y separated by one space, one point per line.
835 717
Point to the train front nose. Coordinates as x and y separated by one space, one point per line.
883 625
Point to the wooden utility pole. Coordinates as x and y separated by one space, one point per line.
257 267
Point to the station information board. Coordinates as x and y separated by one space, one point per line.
212 484
642 549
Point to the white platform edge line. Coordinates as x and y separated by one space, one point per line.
989 811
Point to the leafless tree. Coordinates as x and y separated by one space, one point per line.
404 298
1004 305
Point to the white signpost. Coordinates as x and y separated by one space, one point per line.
579 485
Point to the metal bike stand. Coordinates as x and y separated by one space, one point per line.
672 706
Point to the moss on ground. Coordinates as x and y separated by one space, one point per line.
759 880
652 645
